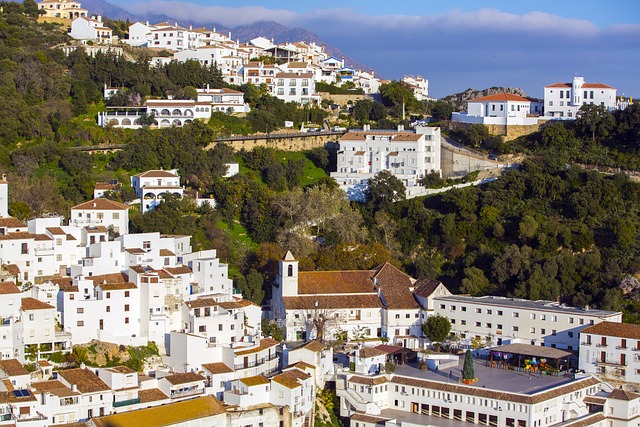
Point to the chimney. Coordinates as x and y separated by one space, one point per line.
4 176
190 27
94 204
99 18
373 72
400 128
74 388
229 35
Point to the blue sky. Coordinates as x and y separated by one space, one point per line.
455 44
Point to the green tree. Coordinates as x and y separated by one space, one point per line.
594 119
251 286
475 282
468 372
442 110
436 328
383 190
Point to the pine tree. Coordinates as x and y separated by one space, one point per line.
467 368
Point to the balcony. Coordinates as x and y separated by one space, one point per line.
186 393
587 343
254 363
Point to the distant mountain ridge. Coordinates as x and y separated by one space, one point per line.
269 29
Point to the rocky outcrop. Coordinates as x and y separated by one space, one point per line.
459 100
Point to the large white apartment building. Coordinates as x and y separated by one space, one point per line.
563 100
409 156
502 320
611 351
296 87
498 398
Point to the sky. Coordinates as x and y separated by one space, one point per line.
455 44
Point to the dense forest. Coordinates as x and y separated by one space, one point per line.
550 229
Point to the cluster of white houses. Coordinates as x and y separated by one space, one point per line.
82 282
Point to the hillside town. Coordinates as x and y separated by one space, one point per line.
112 316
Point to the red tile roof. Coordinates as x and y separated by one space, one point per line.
307 302
563 85
84 379
101 204
291 379
157 174
12 367
217 368
184 378
501 97
34 304
613 329
8 288
335 282
596 86
11 223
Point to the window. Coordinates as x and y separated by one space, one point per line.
126 307
463 322
126 320
220 327
550 103
202 328
463 308
532 330
543 331
489 311
59 257
108 309
553 332
108 295
442 306
515 329
499 326
126 294
478 324
146 245
499 312
533 316
516 314
115 215
25 248
543 317
570 334
80 323
478 310
397 316
571 320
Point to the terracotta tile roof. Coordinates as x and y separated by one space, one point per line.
201 302
44 363
9 397
110 278
19 235
101 204
315 346
586 421
8 288
117 286
178 270
157 174
361 153
367 352
34 304
596 86
294 75
11 223
151 395
97 229
543 396
84 379
231 305
254 381
135 251
265 343
501 97
365 418
56 231
388 349
424 287
301 365
292 378
179 413
563 85
334 282
41 237
122 370
307 302
12 269
217 368
166 252
619 394
597 400
54 387
184 378
381 379
12 367
395 288
613 329
395 136
65 284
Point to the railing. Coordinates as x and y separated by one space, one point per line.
586 343
185 393
254 363
29 417
126 402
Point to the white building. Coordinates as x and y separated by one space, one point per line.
359 304
224 100
4 197
563 100
65 9
107 213
408 156
296 87
166 112
419 85
500 398
151 186
39 330
610 351
504 109
502 320
91 29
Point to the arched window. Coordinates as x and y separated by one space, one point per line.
290 270
126 122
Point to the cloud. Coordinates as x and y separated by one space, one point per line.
455 50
